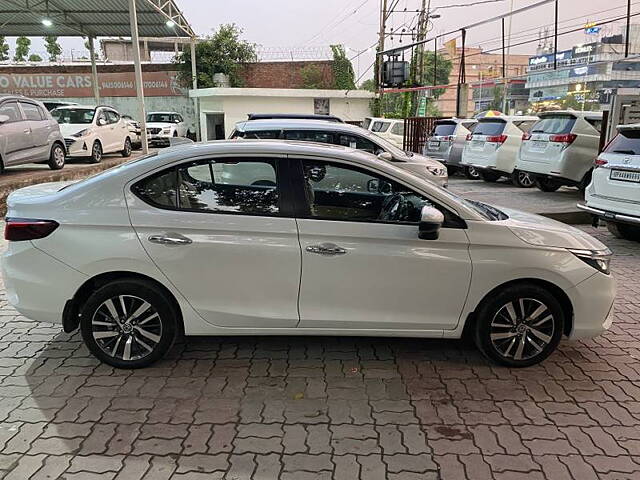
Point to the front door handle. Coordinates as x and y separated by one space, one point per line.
170 239
328 249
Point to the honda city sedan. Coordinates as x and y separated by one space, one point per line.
185 242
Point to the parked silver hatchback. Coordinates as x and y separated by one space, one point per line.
28 134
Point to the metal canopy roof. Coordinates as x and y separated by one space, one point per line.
95 18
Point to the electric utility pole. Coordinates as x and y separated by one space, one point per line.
506 74
379 58
423 21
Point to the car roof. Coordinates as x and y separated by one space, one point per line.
457 120
273 124
295 116
575 113
163 113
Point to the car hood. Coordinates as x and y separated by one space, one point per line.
68 129
159 124
545 232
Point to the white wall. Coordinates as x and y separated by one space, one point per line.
236 108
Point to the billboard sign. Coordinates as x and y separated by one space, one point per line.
78 85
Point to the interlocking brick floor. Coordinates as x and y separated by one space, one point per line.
321 408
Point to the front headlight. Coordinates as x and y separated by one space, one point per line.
437 171
81 133
166 130
597 259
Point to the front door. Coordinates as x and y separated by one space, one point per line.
220 231
363 265
17 134
41 128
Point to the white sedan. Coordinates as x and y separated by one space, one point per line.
177 242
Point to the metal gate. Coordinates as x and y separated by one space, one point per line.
416 131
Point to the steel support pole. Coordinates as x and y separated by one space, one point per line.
94 72
133 19
627 30
555 36
505 72
194 85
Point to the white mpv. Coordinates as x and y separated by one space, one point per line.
177 242
614 192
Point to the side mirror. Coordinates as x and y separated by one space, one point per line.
386 156
431 220
4 118
101 122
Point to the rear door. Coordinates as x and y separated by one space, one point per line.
620 179
227 242
40 130
117 130
537 146
440 141
15 134
482 145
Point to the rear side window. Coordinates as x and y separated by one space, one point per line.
380 127
398 129
11 110
626 142
309 136
494 127
469 125
524 125
554 124
31 111
595 123
262 134
444 129
243 187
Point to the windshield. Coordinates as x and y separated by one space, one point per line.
492 127
160 117
556 124
73 115
626 142
444 129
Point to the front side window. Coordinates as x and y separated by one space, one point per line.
309 136
357 142
11 110
112 117
31 111
244 187
398 129
341 192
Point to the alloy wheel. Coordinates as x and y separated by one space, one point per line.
525 180
97 152
473 173
126 327
522 328
58 155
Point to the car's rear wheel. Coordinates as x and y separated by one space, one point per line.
624 230
96 152
128 323
126 151
489 176
520 326
547 184
471 173
521 179
586 180
56 157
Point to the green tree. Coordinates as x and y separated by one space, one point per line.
23 45
4 49
221 52
342 69
311 76
34 57
368 85
498 95
53 47
436 70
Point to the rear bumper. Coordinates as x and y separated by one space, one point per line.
566 168
592 301
610 215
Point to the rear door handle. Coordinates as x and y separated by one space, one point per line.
328 249
170 239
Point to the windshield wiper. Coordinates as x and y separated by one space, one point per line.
628 152
537 131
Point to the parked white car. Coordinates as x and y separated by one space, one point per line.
560 148
90 132
162 126
322 131
134 130
492 148
614 192
174 242
391 129
446 143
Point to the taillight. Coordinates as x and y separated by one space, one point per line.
19 229
567 138
526 136
448 138
469 136
599 162
497 138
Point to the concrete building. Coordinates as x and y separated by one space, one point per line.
221 108
482 70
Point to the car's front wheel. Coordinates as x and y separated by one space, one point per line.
96 152
128 323
126 151
624 230
471 173
56 157
519 326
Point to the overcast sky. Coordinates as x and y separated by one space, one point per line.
355 23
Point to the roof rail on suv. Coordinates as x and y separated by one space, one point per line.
293 116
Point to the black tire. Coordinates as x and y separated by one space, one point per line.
547 184
489 176
624 230
522 179
1 167
451 171
160 319
56 157
586 180
96 152
514 338
471 173
126 151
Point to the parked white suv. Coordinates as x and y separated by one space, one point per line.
176 242
91 132
391 129
560 148
614 192
492 148
162 126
